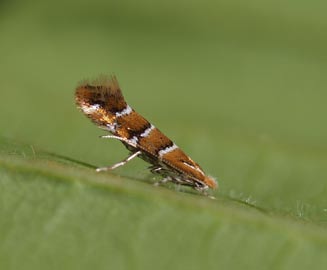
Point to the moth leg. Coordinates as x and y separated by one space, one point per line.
162 181
111 137
119 138
204 191
155 169
123 162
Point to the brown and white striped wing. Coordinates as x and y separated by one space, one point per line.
103 102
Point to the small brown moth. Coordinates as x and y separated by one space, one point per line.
103 102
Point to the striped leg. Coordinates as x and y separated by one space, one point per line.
130 142
113 137
123 162
162 181
155 169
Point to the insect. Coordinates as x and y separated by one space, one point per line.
102 101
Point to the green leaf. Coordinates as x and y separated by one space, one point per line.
58 213
239 85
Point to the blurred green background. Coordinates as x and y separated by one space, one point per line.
239 85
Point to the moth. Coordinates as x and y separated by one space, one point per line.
102 101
